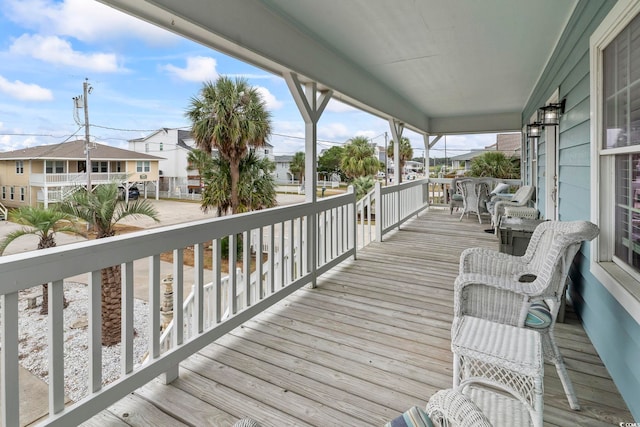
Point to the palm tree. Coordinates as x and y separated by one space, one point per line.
256 188
495 164
230 116
358 158
297 166
102 210
43 223
406 153
362 185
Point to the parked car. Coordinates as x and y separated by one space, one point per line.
134 193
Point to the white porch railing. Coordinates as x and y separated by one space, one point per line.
59 179
298 242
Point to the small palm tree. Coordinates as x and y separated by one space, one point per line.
43 223
102 210
406 153
495 164
230 116
358 158
362 185
297 166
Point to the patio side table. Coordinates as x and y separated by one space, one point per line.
489 355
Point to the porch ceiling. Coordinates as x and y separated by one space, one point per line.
439 66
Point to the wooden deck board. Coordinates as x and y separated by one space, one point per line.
370 341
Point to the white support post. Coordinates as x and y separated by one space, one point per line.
127 317
379 210
10 388
396 133
311 104
154 307
55 340
95 328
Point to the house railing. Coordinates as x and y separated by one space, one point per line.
295 244
58 179
3 212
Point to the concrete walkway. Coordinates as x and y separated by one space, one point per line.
169 212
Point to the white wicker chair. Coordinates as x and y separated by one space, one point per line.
474 196
520 198
496 286
452 408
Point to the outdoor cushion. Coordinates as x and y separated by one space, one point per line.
501 187
414 417
457 197
539 316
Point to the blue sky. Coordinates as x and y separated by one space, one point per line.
142 78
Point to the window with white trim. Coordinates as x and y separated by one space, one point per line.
22 194
12 193
19 167
143 166
4 192
620 146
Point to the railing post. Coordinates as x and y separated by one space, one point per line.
352 221
9 360
378 201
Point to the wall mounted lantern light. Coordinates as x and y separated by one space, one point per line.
550 114
534 130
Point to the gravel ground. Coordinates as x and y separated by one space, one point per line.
33 341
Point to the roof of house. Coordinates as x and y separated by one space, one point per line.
74 150
467 156
283 159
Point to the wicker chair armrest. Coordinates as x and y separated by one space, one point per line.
491 262
450 407
508 282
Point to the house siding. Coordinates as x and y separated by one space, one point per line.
614 333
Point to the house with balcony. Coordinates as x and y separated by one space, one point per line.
348 321
48 173
176 176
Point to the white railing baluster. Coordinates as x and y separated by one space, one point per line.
154 307
127 317
178 297
299 251
95 331
55 341
282 247
259 265
292 243
272 259
246 266
198 271
9 356
216 254
233 276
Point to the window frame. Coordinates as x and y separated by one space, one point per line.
143 166
623 282
19 167
12 193
23 193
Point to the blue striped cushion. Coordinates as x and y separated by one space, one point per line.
539 316
414 417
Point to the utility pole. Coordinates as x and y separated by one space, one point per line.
86 90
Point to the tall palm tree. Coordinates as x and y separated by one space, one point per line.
102 210
230 116
406 153
43 223
358 158
297 166
256 188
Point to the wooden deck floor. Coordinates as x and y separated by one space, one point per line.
371 341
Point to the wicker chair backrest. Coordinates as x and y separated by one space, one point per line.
551 250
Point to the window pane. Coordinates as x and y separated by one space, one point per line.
621 85
627 212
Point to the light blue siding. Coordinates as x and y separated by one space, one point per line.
614 333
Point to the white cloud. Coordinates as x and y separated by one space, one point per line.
55 50
198 69
335 131
88 21
24 91
269 98
336 106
